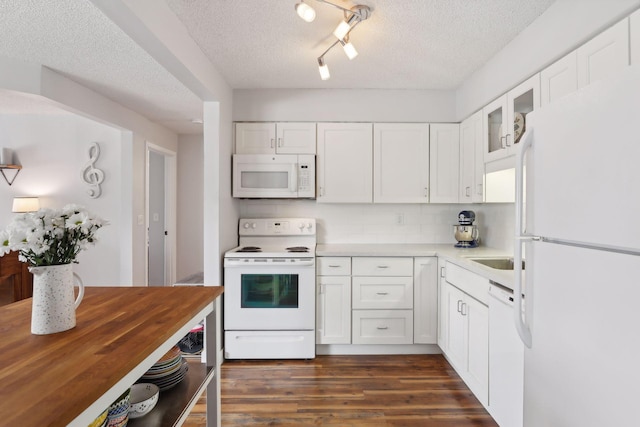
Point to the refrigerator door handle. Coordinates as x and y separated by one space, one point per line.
520 238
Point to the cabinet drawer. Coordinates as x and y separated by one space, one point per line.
334 266
382 266
382 327
471 283
382 292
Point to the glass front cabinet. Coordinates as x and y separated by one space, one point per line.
506 117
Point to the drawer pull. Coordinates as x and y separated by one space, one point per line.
382 293
334 266
382 328
383 266
459 303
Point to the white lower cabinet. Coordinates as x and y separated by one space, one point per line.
377 300
425 300
382 326
465 328
333 312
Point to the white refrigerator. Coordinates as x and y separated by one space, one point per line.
578 225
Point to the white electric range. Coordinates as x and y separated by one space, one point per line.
269 296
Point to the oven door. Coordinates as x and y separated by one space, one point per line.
269 295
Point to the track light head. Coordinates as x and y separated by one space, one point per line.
305 11
323 69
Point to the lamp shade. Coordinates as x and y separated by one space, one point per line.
25 204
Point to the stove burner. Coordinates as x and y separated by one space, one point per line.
298 249
249 249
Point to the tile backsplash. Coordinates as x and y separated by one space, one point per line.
391 223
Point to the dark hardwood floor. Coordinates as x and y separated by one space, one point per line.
415 390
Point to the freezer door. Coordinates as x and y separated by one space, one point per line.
582 174
581 369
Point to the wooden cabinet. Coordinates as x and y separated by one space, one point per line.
333 314
345 163
466 327
272 138
444 162
400 162
505 119
382 299
634 37
471 160
16 282
425 300
603 54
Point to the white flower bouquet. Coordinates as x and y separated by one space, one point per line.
51 236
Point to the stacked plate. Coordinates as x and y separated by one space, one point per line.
168 371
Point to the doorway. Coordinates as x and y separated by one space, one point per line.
161 214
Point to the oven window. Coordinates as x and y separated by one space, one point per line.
269 291
279 180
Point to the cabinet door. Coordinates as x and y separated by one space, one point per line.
444 162
471 160
456 331
255 138
296 138
345 163
425 301
521 100
604 54
400 162
333 315
477 319
559 79
634 29
495 115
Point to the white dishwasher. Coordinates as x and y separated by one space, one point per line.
506 360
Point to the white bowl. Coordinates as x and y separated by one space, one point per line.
144 397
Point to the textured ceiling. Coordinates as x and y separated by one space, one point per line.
410 44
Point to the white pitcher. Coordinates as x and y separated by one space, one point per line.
54 303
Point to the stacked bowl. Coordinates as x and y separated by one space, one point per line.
168 371
118 412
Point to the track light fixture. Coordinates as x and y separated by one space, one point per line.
352 17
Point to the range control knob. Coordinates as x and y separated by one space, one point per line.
245 226
309 226
301 226
253 225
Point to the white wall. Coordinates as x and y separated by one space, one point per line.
53 150
190 246
560 29
327 105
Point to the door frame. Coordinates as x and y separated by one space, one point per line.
170 212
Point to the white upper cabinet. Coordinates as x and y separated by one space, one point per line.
505 119
605 53
559 79
345 163
272 138
444 162
471 160
400 162
634 29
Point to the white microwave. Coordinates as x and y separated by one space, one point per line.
274 176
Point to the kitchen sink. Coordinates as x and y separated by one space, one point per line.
497 263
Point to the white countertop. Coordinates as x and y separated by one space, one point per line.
459 256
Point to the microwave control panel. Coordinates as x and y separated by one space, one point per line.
306 176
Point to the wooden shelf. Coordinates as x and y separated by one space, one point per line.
174 404
17 168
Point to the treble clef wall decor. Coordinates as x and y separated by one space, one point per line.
92 175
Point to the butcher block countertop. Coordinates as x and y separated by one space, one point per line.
70 377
